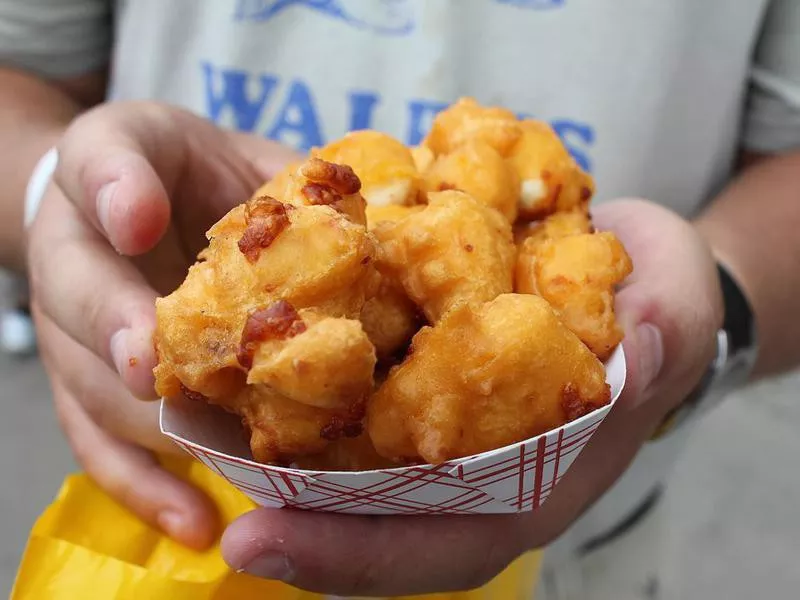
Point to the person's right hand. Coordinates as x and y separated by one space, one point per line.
136 187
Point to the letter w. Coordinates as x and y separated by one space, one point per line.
231 90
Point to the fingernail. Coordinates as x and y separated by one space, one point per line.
119 350
651 353
173 523
104 197
271 565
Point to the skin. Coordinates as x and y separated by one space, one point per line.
763 207
163 162
95 389
33 115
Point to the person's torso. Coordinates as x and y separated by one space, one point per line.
645 93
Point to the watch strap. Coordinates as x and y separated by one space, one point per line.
739 322
737 350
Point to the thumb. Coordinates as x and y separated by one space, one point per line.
373 555
644 358
669 306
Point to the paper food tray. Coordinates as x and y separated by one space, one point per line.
516 478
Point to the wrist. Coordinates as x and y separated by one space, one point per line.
22 196
738 343
734 360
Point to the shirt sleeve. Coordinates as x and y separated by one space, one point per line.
55 38
772 117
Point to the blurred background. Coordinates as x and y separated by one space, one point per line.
732 501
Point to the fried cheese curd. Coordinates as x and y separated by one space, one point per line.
521 168
390 318
277 186
479 170
377 305
484 378
576 270
550 179
308 383
456 250
266 324
346 454
318 183
383 164
556 225
466 120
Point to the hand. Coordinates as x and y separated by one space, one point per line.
671 309
137 186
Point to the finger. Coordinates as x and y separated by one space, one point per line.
133 477
643 346
106 168
665 305
359 555
121 163
94 295
106 401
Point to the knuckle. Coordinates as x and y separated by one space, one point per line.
81 152
75 134
130 491
93 306
133 496
98 410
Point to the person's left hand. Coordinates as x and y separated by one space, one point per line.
670 307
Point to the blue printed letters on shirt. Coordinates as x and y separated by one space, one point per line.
244 100
386 17
382 17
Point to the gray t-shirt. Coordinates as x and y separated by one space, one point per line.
654 97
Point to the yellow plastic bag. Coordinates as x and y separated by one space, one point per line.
86 546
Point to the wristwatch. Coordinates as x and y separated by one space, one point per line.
737 351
